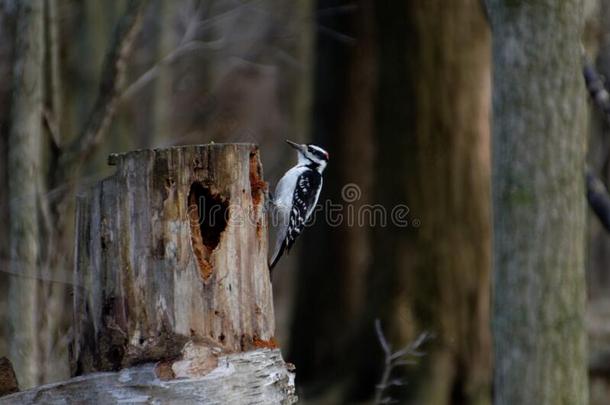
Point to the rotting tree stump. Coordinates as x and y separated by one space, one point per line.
171 264
172 248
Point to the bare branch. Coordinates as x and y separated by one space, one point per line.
597 89
112 72
51 123
598 198
188 43
401 357
382 340
597 194
171 57
411 348
338 36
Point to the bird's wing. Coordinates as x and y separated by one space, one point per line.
304 199
292 213
282 202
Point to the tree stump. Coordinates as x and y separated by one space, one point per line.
171 253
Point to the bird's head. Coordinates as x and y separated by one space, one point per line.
311 155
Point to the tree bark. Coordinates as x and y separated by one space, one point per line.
24 182
171 249
538 203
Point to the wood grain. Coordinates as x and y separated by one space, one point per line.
254 377
156 269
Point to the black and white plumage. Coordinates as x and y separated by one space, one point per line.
296 196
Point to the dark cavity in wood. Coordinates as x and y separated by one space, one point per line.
208 214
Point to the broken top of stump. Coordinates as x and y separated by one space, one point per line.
172 248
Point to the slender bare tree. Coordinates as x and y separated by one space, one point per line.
43 169
24 186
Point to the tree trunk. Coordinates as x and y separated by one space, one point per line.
538 204
24 182
331 283
172 248
432 145
171 266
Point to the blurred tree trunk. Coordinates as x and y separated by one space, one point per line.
538 155
24 185
40 159
55 236
7 38
343 123
433 155
299 109
424 144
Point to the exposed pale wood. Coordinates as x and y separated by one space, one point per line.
254 377
147 281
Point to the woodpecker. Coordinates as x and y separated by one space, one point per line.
296 195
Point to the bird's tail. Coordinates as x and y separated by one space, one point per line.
276 257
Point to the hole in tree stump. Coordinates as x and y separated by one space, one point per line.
208 215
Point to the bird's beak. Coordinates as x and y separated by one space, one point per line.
300 148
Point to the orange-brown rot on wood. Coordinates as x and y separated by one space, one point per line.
255 342
208 216
257 185
259 230
264 344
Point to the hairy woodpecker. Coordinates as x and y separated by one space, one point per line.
296 195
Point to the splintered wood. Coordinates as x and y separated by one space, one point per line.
257 377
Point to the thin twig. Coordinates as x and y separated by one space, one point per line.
597 193
171 57
597 90
336 35
186 44
395 359
382 340
598 198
